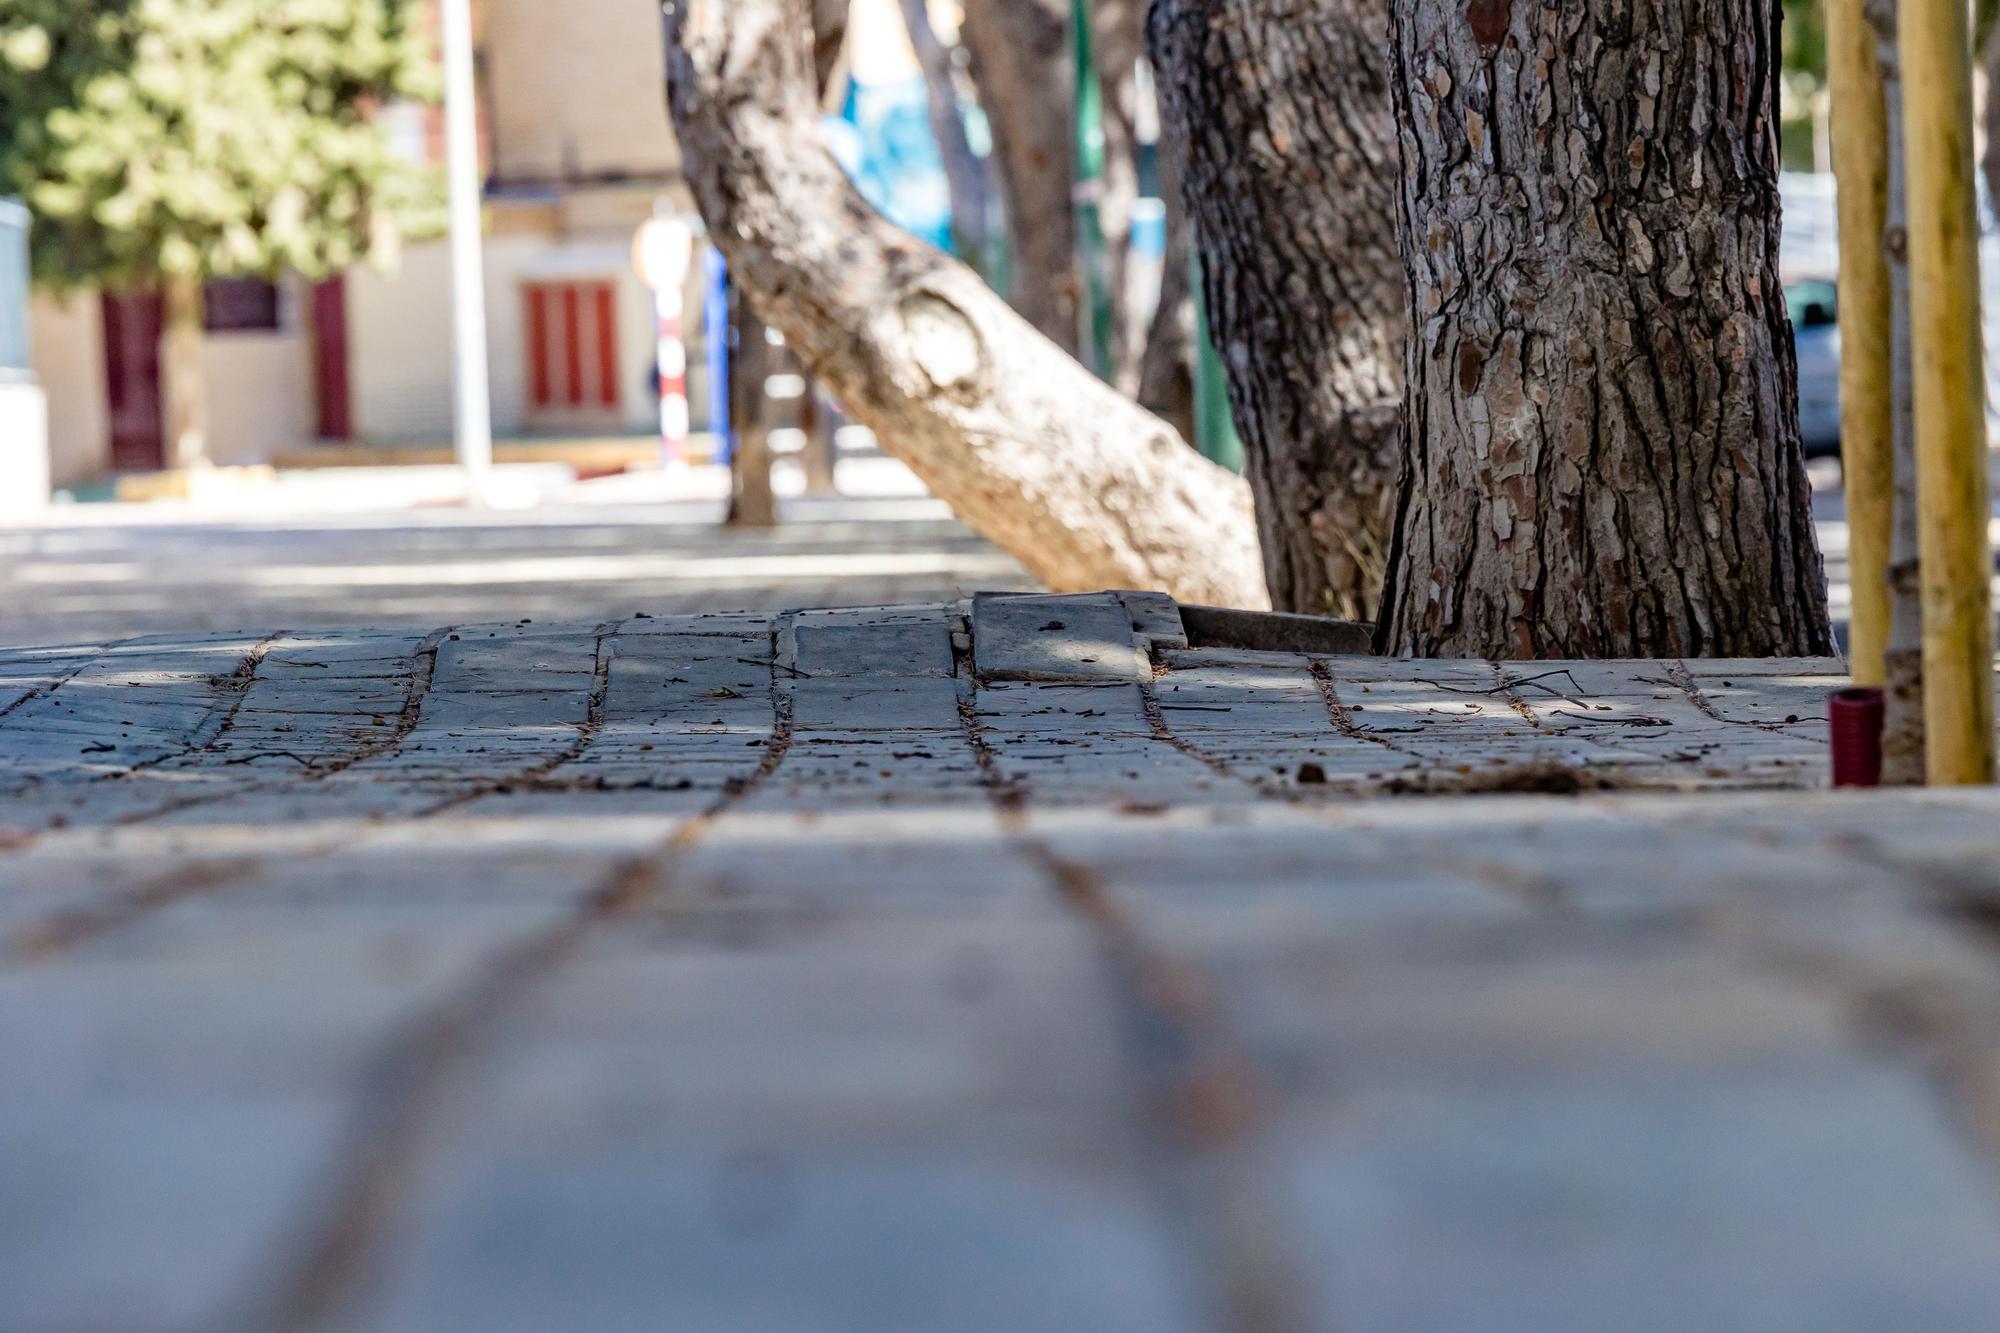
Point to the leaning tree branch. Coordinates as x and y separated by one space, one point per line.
1082 486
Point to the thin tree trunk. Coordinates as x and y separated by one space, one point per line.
964 173
819 456
185 391
1903 655
1282 110
1071 478
1989 157
751 501
1021 61
1166 372
1602 400
1118 43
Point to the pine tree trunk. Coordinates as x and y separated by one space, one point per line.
1603 444
1020 56
1282 108
185 388
1058 469
1903 654
751 501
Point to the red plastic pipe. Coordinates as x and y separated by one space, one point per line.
1854 719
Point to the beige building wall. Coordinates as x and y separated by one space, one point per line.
261 393
67 343
262 397
581 153
577 90
399 337
399 348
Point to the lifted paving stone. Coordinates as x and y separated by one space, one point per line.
1014 963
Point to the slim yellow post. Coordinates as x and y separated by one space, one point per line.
1950 399
1867 417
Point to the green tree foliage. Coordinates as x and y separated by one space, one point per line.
1804 56
1805 41
164 139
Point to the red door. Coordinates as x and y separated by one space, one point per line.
132 381
329 307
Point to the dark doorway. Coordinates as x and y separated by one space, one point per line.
330 376
132 381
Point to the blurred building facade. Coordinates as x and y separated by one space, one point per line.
24 465
578 152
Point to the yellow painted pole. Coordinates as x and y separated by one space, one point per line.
1950 397
1867 412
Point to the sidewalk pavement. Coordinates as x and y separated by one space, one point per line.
327 548
835 971
389 547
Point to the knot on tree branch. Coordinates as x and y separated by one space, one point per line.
944 343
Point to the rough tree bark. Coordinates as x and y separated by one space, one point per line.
1903 654
185 383
752 502
1055 467
1020 57
1603 445
1282 109
964 173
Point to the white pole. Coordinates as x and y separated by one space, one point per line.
474 434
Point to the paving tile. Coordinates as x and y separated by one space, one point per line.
1036 637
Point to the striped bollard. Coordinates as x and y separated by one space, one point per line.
668 306
662 254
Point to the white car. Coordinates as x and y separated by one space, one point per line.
1809 259
1816 336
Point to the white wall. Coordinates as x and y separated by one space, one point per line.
399 341
399 348
638 335
507 257
24 453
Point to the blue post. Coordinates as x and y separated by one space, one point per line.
715 334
